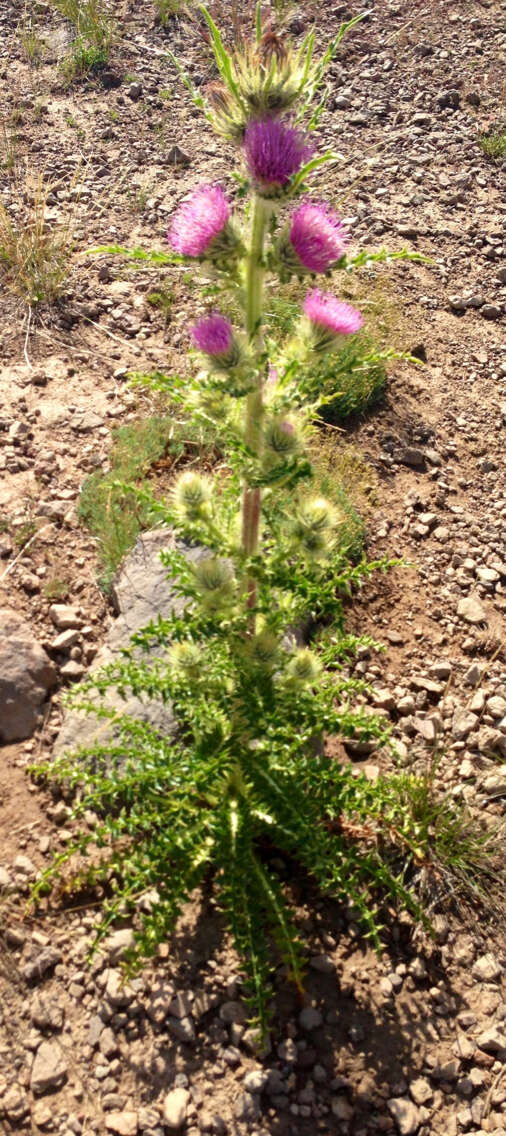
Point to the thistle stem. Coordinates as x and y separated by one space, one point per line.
251 504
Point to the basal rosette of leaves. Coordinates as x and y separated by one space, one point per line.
244 774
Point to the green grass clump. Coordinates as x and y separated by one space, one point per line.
167 9
493 143
95 33
109 503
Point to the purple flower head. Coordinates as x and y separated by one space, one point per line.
199 221
330 316
275 151
317 236
213 335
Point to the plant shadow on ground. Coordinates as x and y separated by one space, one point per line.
364 1037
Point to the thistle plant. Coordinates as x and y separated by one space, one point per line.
244 775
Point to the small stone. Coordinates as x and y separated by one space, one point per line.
247 1107
463 723
256 1081
175 1108
65 640
177 157
473 675
116 991
323 963
182 1028
492 1041
119 943
496 706
405 1114
72 671
134 91
471 610
181 1005
342 1109
14 1105
448 99
409 455
46 1014
232 1012
495 784
310 1019
124 1123
491 312
36 968
65 617
421 1090
487 968
49 1070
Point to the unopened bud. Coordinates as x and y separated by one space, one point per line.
215 582
192 493
304 667
186 658
264 649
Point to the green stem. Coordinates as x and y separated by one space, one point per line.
254 405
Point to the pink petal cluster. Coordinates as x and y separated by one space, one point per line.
199 220
275 151
213 334
317 236
325 311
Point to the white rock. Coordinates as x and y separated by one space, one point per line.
487 968
49 1070
471 609
124 1123
405 1114
175 1107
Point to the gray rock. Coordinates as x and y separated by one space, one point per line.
36 968
26 677
175 1108
119 943
410 455
140 593
182 1029
232 1012
471 609
450 99
46 1014
463 723
49 1070
256 1081
247 1107
310 1019
406 1115
491 311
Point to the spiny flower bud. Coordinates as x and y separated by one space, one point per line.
192 493
314 241
264 649
280 438
215 583
329 319
201 228
187 659
304 667
214 335
312 528
275 151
